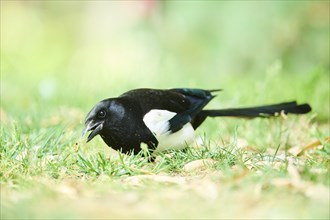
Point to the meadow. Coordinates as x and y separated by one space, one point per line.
58 59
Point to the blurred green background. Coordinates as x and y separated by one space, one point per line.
59 58
75 53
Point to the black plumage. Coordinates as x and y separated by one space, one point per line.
152 116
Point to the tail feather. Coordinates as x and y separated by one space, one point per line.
261 111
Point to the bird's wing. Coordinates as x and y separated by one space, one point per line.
198 98
185 103
151 99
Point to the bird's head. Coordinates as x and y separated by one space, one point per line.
96 119
103 116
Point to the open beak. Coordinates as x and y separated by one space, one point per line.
94 127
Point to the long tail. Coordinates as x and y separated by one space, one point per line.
261 111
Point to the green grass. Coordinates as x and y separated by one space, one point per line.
58 59
49 173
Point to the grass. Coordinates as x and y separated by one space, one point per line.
58 59
261 168
264 169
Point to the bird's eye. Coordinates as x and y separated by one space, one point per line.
101 114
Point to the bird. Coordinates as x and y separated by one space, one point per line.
165 119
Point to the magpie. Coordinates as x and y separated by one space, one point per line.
164 119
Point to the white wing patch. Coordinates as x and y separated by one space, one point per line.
158 122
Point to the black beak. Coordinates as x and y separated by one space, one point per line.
94 127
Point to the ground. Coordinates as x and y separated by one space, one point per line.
59 176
